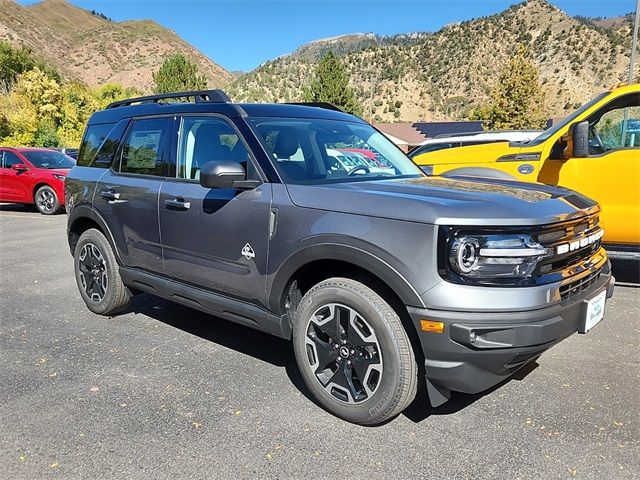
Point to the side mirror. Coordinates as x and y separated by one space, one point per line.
225 174
20 167
580 140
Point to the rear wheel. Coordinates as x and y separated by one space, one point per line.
98 275
353 352
46 200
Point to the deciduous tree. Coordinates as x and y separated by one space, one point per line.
15 61
112 92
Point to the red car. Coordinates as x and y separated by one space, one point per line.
34 176
371 155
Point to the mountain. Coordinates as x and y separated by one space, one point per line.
354 42
89 47
441 75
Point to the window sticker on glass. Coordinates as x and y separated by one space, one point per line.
143 149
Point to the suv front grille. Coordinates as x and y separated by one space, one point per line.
571 289
565 234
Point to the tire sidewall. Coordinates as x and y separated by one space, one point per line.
56 207
101 243
381 401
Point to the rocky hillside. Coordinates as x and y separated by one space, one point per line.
95 50
442 75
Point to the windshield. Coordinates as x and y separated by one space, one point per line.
315 151
49 159
566 121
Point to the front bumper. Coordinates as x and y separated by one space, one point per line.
478 350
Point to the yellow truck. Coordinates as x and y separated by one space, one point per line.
595 151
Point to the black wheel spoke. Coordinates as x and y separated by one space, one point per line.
329 327
90 286
326 354
92 258
361 364
343 349
342 378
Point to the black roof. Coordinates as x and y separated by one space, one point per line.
151 105
433 129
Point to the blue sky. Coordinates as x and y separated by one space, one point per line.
241 34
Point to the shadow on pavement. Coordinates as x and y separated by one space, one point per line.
420 409
279 352
256 344
627 272
18 207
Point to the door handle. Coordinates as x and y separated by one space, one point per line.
177 204
110 195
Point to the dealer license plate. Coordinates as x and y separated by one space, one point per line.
595 311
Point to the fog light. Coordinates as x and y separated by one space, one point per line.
431 326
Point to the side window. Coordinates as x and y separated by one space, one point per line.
93 138
207 139
10 159
145 151
618 126
100 144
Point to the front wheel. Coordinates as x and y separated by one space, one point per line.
353 352
46 200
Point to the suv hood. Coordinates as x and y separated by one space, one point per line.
447 201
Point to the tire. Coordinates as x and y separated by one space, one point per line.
98 275
47 201
353 352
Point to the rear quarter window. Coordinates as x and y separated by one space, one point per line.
100 143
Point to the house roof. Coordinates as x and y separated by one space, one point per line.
410 133
403 131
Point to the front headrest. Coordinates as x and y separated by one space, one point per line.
207 143
287 143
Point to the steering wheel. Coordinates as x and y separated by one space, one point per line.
359 167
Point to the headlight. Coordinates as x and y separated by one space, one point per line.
491 258
59 177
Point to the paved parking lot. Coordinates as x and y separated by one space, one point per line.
168 392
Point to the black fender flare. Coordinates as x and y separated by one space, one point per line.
479 172
344 253
84 211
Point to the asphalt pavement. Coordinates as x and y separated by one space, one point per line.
167 392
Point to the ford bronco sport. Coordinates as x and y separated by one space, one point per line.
380 279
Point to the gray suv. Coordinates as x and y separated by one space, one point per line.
383 278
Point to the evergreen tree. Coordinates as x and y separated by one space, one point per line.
178 74
330 84
517 98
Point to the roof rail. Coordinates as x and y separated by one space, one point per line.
200 96
325 105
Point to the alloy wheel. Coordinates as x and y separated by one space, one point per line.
93 272
344 353
46 201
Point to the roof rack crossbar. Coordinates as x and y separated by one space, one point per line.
325 105
200 96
